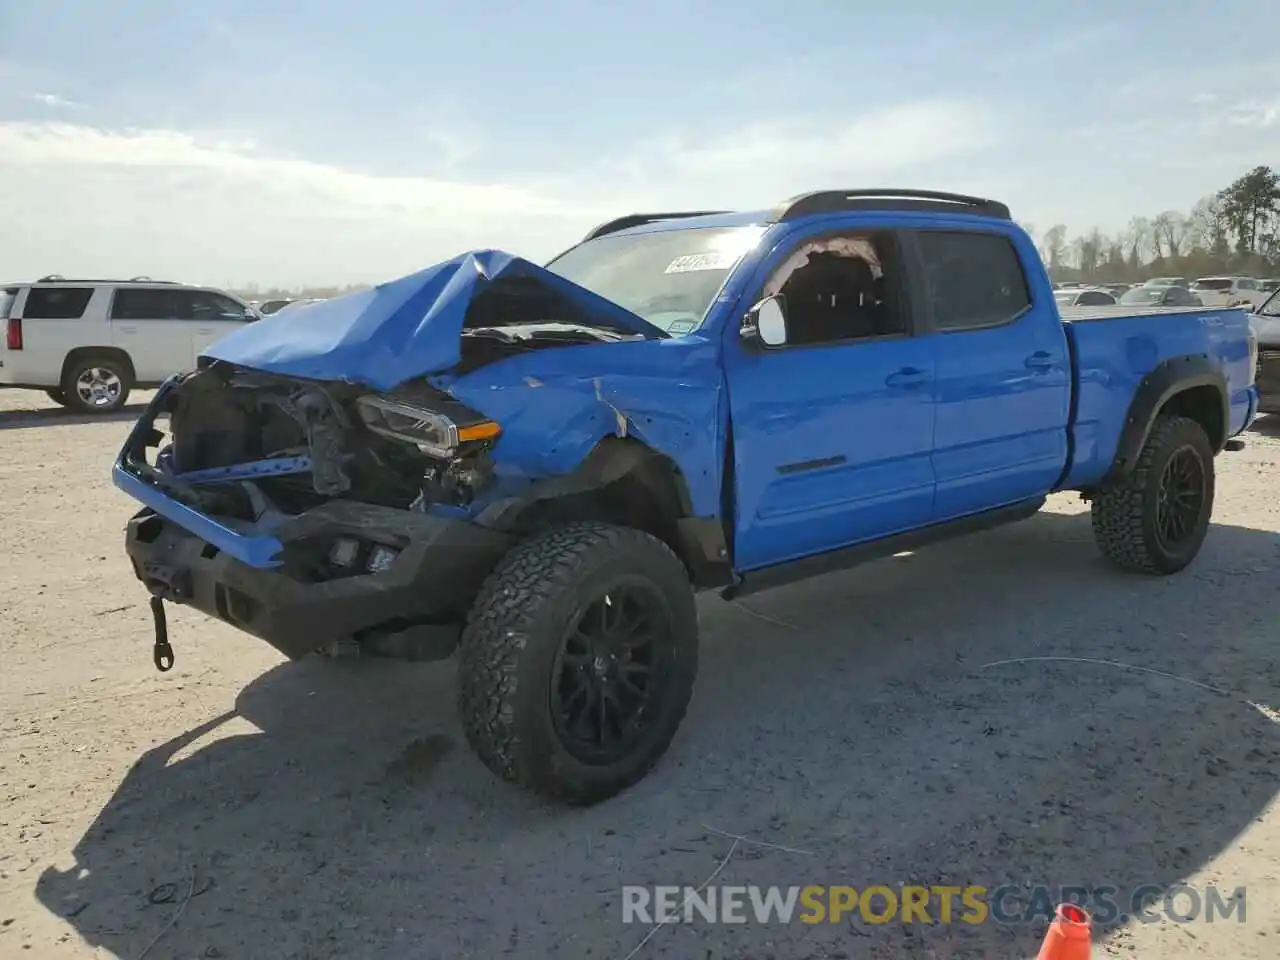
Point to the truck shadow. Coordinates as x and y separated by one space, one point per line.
1267 424
60 417
865 719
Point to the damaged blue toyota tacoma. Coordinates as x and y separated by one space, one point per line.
535 468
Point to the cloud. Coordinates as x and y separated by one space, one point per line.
1255 113
53 100
767 161
223 209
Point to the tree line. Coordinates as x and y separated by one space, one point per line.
1235 231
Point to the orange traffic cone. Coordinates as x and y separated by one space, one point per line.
1068 936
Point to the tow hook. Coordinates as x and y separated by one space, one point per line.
162 652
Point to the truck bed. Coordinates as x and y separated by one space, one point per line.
1114 348
1082 314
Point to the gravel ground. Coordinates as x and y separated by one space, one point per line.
319 810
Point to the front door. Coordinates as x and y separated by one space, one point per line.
210 317
832 433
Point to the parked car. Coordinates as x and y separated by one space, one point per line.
300 302
268 307
1266 327
1160 296
1084 298
1117 290
1269 286
1229 292
536 467
88 343
1165 282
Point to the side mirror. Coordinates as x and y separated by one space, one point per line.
767 322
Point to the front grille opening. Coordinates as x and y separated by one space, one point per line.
234 606
149 529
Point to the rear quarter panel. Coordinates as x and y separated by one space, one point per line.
1114 352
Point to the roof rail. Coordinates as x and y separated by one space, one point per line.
59 278
639 219
838 201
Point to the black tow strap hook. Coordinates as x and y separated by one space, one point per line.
161 653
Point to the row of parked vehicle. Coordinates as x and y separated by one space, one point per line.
88 343
1244 292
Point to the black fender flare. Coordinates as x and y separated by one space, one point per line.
700 541
1170 378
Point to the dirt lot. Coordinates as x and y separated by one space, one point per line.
332 810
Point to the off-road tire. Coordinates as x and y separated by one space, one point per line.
1124 513
71 396
513 635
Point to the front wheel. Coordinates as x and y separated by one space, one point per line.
578 660
1156 519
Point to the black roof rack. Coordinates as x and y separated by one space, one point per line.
59 278
639 219
838 201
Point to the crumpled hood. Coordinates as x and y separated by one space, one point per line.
402 329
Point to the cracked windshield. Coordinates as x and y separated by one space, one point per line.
716 481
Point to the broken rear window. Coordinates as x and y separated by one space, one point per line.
669 278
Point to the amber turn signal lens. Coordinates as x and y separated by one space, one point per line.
479 431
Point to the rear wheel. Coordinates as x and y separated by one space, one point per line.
578 661
1156 519
96 384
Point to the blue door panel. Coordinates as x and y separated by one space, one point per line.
1002 389
827 452
1000 429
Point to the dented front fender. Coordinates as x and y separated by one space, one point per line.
556 406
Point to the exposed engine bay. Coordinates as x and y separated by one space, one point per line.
394 450
244 444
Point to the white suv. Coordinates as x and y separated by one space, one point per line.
87 343
1229 292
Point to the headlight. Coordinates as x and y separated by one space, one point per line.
431 432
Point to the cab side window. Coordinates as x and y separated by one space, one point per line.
841 288
973 279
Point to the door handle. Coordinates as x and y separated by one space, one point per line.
908 377
1040 360
203 330
128 329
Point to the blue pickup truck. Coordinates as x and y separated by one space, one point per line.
537 467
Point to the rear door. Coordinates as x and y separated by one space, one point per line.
211 316
146 323
1002 380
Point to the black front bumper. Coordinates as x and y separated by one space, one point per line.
434 578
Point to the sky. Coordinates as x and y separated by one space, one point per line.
233 142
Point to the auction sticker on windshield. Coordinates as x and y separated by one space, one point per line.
716 260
